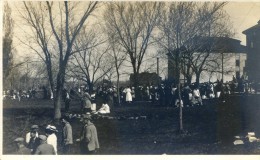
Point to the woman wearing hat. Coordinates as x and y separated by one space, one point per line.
51 136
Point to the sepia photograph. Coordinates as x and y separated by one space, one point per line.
130 78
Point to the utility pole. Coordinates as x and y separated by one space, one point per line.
158 77
222 67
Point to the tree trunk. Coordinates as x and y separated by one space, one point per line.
90 85
58 96
197 78
135 79
179 95
189 79
57 106
118 91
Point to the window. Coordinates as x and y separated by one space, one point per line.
252 45
237 62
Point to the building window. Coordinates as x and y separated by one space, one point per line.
252 45
237 62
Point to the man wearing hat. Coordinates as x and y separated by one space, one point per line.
28 135
34 142
67 135
44 148
21 149
89 139
51 136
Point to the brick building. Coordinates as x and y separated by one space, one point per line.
253 52
216 45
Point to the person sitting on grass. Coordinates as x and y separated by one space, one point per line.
105 109
196 96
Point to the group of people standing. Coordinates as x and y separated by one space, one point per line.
46 144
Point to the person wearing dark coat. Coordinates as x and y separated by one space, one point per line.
34 142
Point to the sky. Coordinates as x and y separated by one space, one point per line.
243 15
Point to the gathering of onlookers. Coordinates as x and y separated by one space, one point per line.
47 143
101 100
163 94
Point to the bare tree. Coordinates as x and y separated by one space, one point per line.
177 26
55 27
212 23
7 42
181 24
119 58
132 23
92 61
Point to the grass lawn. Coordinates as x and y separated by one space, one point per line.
209 129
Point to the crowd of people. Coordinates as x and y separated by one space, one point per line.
187 95
167 94
35 143
164 94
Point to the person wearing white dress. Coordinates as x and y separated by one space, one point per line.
128 97
196 96
51 136
104 109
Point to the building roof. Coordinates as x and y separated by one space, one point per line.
251 29
213 45
218 45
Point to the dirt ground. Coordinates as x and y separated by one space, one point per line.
143 129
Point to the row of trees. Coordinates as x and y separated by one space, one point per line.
90 40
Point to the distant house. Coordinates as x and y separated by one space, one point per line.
253 52
214 45
146 78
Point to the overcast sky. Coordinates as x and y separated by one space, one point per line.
243 15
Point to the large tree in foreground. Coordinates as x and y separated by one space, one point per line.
55 27
212 23
132 23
